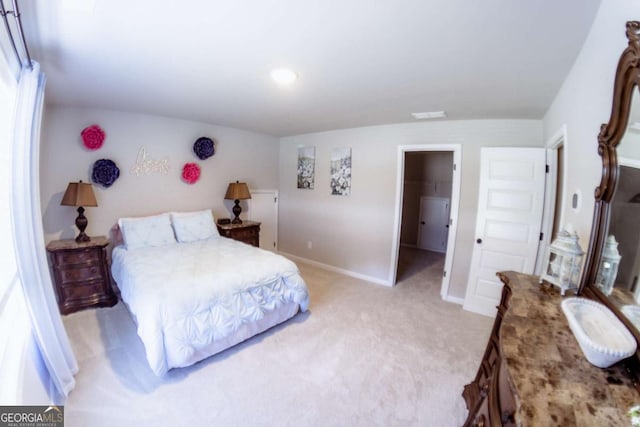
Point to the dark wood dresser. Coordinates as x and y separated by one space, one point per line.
81 274
533 372
247 232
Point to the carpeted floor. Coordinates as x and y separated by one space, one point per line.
364 355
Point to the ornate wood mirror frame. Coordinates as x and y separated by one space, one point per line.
627 81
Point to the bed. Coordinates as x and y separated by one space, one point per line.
193 293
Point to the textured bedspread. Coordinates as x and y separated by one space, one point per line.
186 296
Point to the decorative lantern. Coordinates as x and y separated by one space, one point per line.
608 271
564 260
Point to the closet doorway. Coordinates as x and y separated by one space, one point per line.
263 208
427 199
555 191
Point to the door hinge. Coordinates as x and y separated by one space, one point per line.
275 200
541 236
546 168
454 166
444 273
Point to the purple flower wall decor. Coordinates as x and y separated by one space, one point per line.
105 172
204 148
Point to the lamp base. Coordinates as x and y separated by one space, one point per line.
81 223
82 238
237 210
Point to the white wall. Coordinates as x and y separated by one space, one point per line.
240 155
584 103
355 233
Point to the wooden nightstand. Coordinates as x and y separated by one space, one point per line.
247 232
81 274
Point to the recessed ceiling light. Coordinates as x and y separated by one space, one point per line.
284 76
429 115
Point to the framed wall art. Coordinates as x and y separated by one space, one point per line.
306 167
341 171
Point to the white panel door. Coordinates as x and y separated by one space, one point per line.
508 224
433 228
263 207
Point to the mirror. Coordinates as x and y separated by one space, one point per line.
619 267
612 267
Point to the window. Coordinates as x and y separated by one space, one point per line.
14 323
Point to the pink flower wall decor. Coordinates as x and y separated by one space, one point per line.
191 172
92 137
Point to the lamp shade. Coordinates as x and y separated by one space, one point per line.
237 191
79 194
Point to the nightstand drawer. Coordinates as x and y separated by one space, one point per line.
82 274
76 257
245 233
81 292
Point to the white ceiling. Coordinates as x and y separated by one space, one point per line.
360 62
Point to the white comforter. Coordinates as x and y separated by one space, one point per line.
185 296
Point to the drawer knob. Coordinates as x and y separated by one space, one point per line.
484 389
507 417
480 421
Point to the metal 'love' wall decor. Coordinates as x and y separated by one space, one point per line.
146 165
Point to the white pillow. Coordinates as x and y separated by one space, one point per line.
193 226
154 230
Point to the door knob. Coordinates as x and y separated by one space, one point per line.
479 240
422 222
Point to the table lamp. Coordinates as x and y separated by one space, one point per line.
237 191
80 194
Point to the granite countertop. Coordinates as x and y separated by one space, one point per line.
244 223
67 244
553 382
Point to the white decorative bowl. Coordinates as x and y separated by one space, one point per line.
603 338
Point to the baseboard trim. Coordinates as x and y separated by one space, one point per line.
454 300
338 270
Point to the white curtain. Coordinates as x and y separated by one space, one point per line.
26 216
